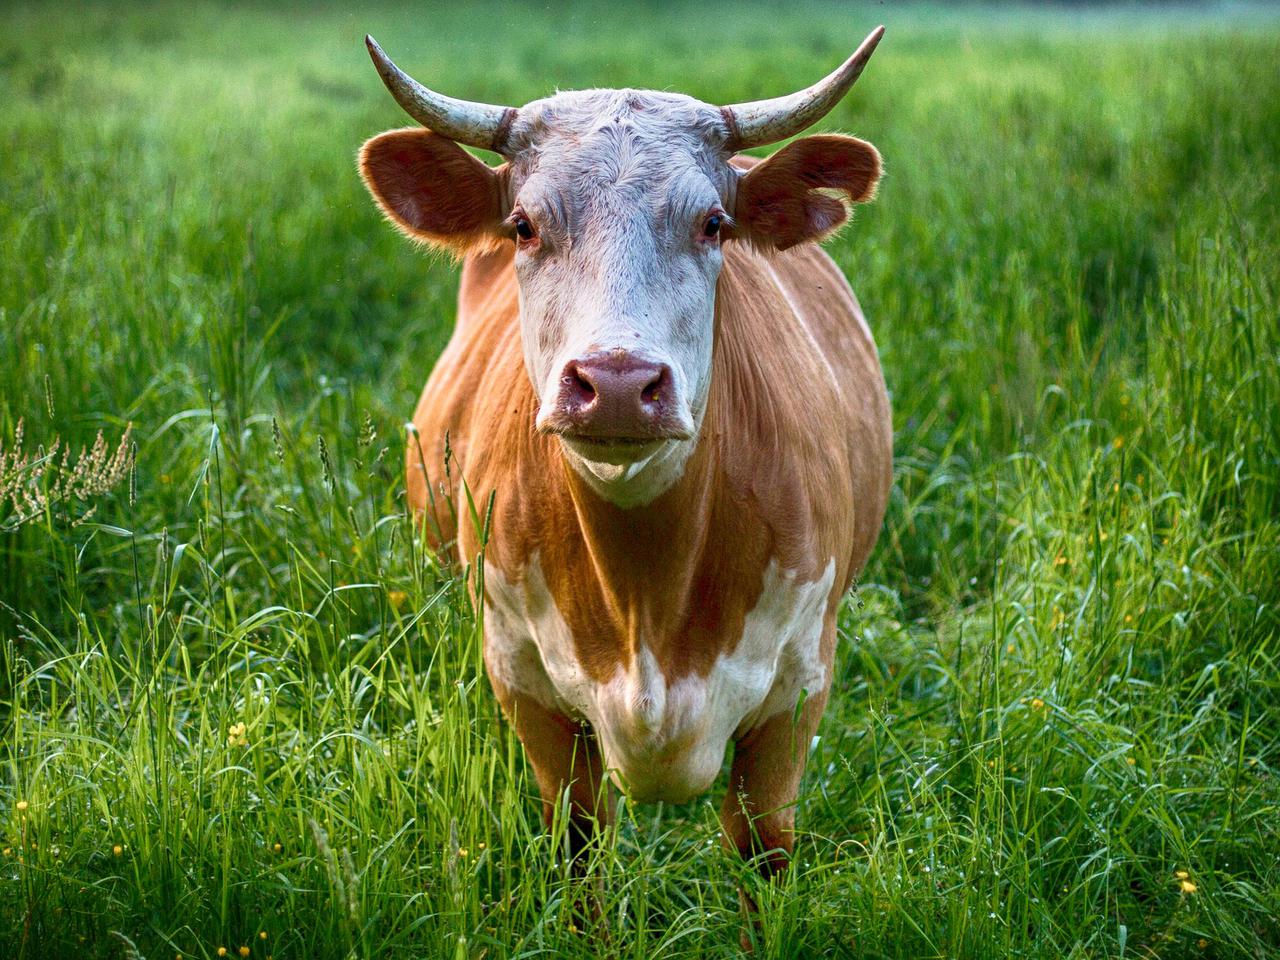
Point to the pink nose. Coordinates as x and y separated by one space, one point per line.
616 395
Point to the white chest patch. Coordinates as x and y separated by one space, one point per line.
662 741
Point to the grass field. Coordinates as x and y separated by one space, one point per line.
242 708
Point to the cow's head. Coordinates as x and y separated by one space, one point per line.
618 203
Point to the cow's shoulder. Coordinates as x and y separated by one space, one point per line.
802 412
477 393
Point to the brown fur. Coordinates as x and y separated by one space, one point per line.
789 466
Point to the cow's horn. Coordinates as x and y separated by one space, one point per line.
475 124
768 121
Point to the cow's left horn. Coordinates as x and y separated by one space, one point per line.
768 121
475 124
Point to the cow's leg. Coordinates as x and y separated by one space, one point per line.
565 758
758 815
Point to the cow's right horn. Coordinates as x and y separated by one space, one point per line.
475 124
767 121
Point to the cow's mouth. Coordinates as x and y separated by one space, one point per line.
617 451
611 441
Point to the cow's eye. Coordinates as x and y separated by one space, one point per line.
524 229
712 227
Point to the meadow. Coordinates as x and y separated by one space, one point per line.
243 709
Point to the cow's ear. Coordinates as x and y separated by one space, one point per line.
802 192
433 190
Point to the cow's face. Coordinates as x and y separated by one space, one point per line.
617 204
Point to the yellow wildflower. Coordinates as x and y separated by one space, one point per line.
222 951
1037 703
262 934
22 806
397 598
244 951
117 850
462 852
277 846
1117 443
1187 886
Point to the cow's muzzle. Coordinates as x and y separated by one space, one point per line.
614 399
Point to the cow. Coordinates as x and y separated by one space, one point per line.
673 398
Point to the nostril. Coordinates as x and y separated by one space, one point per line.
577 386
655 389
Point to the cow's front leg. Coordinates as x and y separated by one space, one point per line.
565 758
758 814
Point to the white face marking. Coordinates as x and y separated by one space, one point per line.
618 185
660 741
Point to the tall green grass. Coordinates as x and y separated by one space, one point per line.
1055 727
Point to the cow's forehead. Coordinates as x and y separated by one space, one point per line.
614 146
571 122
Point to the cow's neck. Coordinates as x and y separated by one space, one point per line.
646 556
